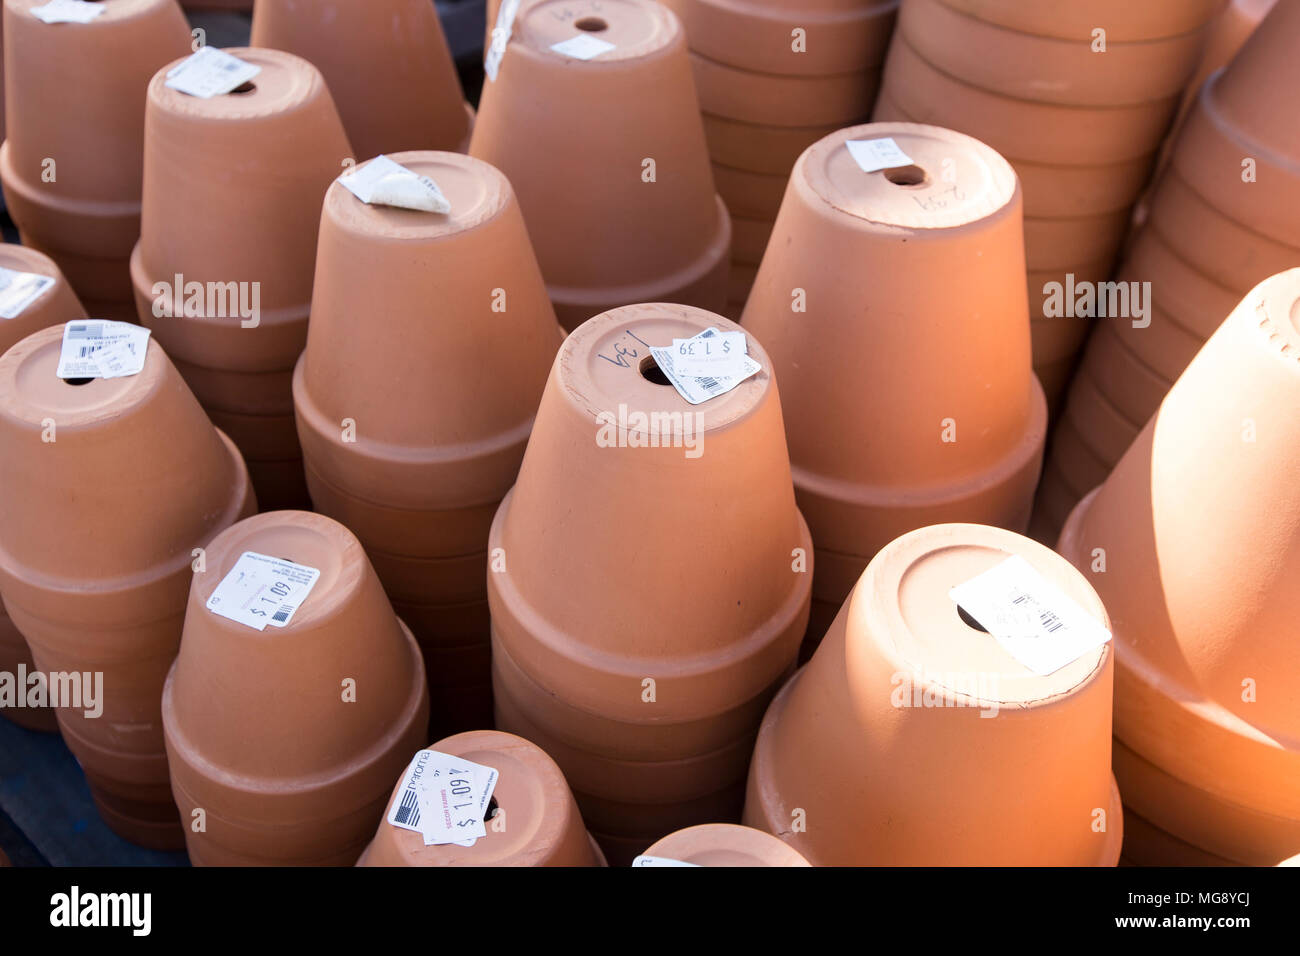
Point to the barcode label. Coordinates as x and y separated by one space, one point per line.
102 350
383 182
210 72
444 798
700 389
261 590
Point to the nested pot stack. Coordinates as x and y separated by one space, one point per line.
71 160
646 610
773 78
725 844
614 183
880 750
535 820
110 487
1221 219
908 401
1193 543
233 187
430 343
1081 124
284 742
387 64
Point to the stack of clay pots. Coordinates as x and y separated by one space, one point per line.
654 580
614 182
233 187
1222 218
1194 544
913 738
1077 96
284 742
724 844
775 76
908 401
431 339
535 821
71 160
111 489
56 305
387 64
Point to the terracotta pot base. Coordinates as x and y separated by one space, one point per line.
724 844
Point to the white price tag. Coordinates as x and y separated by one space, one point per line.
210 72
698 390
68 11
496 50
721 355
261 590
659 861
444 799
18 290
1035 621
584 46
86 341
873 155
382 182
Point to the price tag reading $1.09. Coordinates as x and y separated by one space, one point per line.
261 590
444 798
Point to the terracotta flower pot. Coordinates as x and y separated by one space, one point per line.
876 752
1194 635
725 844
783 101
648 705
1125 22
387 65
419 487
536 822
615 187
967 442
253 166
132 470
287 739
71 160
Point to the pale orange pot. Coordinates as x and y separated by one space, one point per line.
1125 22
725 844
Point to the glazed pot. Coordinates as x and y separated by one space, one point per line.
1195 636
877 752
615 188
725 844
71 160
387 65
967 443
536 821
263 737
134 471
648 705
253 166
463 304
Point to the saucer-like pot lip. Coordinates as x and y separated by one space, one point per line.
765 849
295 84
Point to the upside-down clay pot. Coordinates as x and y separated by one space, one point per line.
536 821
908 401
879 750
252 166
131 470
1203 643
387 64
441 395
615 186
71 160
644 611
725 844
1219 222
288 739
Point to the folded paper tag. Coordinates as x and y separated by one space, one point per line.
873 155
584 46
261 590
68 11
720 356
210 72
98 348
444 798
18 290
496 50
698 390
382 182
1035 621
659 861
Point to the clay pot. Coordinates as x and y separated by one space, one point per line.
387 65
876 751
261 734
84 210
253 167
539 823
417 486
648 704
725 844
615 187
867 467
1125 22
1213 763
132 470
